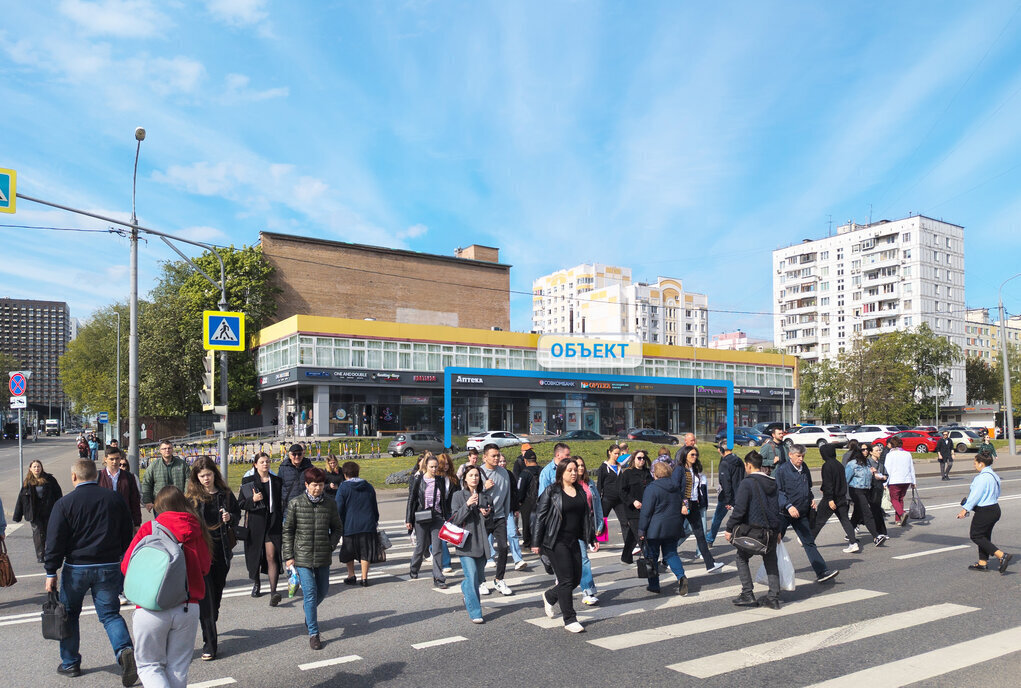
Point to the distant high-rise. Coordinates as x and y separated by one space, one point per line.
867 280
36 333
602 299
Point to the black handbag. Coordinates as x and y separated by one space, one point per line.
755 539
241 532
647 568
55 626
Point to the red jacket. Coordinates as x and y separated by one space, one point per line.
196 554
126 488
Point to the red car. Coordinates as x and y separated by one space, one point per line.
914 440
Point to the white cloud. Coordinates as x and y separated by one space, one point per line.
238 12
203 233
414 231
118 18
236 90
178 74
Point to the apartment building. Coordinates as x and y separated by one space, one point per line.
36 334
868 280
597 298
982 335
738 341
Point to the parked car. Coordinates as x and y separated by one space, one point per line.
745 436
815 435
870 433
500 438
964 439
914 440
927 428
651 435
764 427
847 429
411 443
578 436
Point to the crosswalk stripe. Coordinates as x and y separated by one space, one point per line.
213 684
931 551
438 642
712 623
933 663
665 600
329 662
762 653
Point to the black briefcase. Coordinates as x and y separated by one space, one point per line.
55 625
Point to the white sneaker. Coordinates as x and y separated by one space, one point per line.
590 600
503 588
483 589
698 555
521 565
574 627
636 550
853 549
478 620
716 567
448 569
547 607
428 560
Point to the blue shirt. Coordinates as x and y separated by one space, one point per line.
985 489
547 476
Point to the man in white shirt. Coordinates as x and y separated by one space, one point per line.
901 469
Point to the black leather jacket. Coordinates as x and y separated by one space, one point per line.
549 516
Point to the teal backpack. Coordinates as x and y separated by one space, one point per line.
157 576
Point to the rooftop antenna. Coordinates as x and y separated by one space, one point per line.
829 225
870 213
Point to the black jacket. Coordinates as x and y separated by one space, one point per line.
661 517
730 476
945 448
35 508
633 482
529 476
416 497
549 516
834 481
292 479
608 484
210 510
89 525
794 487
760 510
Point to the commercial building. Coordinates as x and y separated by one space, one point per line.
35 334
596 298
868 280
357 377
333 278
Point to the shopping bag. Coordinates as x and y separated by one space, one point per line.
384 540
784 566
604 536
55 619
455 535
916 512
887 504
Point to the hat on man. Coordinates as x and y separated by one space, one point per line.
525 447
296 449
528 455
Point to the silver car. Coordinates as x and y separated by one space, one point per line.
412 443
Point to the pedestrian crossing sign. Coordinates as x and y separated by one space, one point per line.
223 331
8 190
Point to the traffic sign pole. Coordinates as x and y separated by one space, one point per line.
21 451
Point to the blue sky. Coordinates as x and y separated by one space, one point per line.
679 139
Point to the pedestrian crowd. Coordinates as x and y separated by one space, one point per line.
174 567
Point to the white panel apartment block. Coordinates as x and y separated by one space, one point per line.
869 280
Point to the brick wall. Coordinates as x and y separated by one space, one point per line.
329 278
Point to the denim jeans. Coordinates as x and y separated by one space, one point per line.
668 548
472 568
588 583
804 532
512 539
694 524
721 513
314 584
106 583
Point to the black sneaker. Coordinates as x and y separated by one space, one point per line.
1003 562
274 599
682 586
745 599
440 584
827 576
73 671
770 603
978 567
129 674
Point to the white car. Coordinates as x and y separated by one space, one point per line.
964 440
815 435
500 438
867 434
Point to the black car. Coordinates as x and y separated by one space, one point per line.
578 436
651 435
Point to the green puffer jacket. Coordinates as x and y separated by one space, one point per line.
311 531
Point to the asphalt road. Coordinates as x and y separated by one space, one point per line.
907 613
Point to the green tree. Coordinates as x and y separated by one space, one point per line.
875 383
819 383
88 368
983 380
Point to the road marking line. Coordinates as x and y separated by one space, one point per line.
439 641
934 663
668 599
931 551
763 653
212 684
712 623
329 662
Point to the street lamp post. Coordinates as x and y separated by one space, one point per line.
1009 411
118 414
133 320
